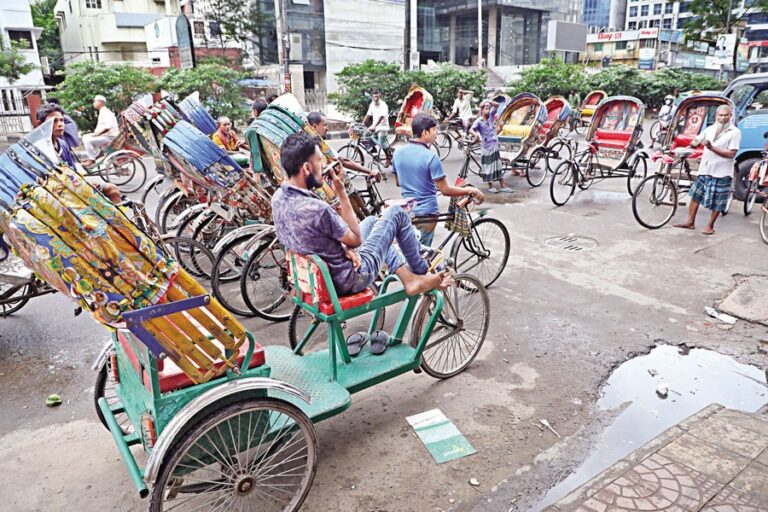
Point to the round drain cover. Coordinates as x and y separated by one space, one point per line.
571 243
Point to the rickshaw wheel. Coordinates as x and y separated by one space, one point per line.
105 387
536 171
170 211
563 183
229 265
660 192
264 282
637 173
557 147
254 454
353 153
749 200
11 305
126 170
764 224
484 253
460 330
445 143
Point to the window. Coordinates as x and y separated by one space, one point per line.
199 28
21 36
620 45
656 8
760 102
633 11
741 95
632 25
214 29
667 23
647 43
598 47
668 8
654 23
643 10
93 4
683 7
643 24
680 23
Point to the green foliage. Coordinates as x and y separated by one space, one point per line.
217 84
13 62
619 80
665 81
549 78
357 80
49 42
250 22
118 83
710 17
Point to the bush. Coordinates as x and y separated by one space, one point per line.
215 81
620 80
664 82
549 78
356 81
118 83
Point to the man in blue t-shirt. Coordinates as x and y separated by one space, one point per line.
419 174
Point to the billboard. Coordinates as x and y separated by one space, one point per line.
184 38
646 57
724 48
624 35
566 37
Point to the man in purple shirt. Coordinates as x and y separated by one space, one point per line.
354 252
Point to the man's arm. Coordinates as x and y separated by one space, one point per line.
450 191
354 166
351 238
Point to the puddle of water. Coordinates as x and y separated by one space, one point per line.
696 379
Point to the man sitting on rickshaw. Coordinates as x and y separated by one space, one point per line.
225 137
354 251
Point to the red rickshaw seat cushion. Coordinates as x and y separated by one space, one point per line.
618 139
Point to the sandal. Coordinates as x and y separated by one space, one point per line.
506 190
379 342
356 342
492 191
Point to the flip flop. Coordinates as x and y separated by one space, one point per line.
379 342
506 190
356 342
492 191
708 233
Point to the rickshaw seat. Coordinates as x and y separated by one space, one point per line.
172 377
516 130
618 139
682 141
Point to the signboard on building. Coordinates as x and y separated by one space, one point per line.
724 48
646 58
625 35
566 37
184 38
672 36
160 34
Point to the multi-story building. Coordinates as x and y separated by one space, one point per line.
634 48
19 98
756 36
604 14
109 30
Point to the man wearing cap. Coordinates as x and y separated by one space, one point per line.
105 132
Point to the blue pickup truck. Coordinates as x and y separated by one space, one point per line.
749 94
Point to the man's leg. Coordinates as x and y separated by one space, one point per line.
696 194
93 143
710 229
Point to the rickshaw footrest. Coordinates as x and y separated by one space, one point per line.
122 446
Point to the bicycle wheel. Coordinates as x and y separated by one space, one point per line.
192 256
559 150
126 170
438 151
227 270
580 127
301 321
654 132
654 202
170 211
751 197
484 253
460 329
637 173
210 230
264 282
536 168
445 143
186 227
17 299
248 453
563 183
353 152
105 387
764 223
150 196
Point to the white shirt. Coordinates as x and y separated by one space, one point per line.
378 112
107 121
713 164
463 107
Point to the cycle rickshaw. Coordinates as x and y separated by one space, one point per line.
227 423
518 126
657 197
612 152
582 115
551 148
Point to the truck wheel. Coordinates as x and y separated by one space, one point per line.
741 181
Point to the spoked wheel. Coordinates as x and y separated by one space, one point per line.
637 173
352 152
171 209
255 454
264 283
150 196
105 387
186 227
227 270
438 151
192 256
751 197
126 170
460 330
563 183
301 322
210 230
536 168
654 202
764 223
559 150
445 143
655 132
484 253
17 298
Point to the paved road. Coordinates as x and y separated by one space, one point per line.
561 321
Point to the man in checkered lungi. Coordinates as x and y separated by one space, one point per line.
712 188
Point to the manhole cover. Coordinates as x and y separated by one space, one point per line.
571 243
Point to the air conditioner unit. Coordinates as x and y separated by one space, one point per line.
630 46
297 52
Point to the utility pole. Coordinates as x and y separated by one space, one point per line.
285 48
728 31
480 33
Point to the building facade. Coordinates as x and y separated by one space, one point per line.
110 30
606 15
20 98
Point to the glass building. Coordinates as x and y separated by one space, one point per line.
514 31
596 13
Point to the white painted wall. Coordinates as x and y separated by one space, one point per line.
373 29
16 15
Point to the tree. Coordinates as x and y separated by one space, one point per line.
620 80
119 83
549 78
443 82
710 18
664 81
249 23
13 61
357 80
49 42
217 84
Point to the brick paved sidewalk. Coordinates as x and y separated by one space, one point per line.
714 461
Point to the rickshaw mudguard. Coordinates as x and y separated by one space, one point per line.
248 229
188 413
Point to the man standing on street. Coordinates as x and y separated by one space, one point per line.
713 186
105 132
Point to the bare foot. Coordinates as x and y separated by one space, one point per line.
420 284
708 231
446 280
686 225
